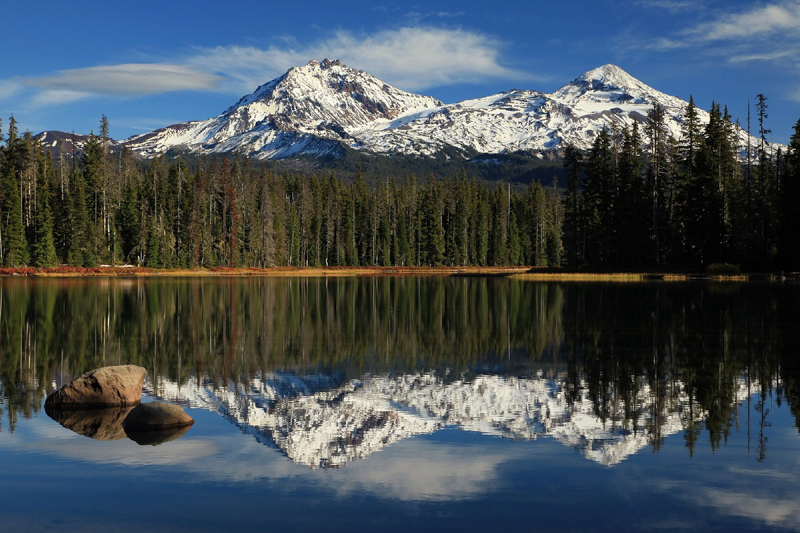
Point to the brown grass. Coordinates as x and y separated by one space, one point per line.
622 277
64 271
518 273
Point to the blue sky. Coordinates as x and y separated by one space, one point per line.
149 64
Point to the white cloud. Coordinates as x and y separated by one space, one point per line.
764 508
673 6
761 22
416 470
409 470
420 58
771 25
57 96
127 79
8 88
412 58
775 55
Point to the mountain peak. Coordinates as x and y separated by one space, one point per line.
607 83
609 77
319 103
318 107
325 64
329 63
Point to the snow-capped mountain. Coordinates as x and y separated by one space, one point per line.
318 108
323 424
310 109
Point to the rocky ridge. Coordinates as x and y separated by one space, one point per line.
320 108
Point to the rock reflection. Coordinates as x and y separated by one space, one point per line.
154 438
107 424
98 424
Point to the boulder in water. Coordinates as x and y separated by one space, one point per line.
104 387
156 416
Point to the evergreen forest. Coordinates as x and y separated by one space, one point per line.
639 199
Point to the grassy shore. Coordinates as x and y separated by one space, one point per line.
621 277
518 273
128 271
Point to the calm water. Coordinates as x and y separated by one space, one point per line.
428 404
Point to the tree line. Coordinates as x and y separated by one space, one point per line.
638 199
103 208
646 199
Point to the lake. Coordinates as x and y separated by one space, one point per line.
397 403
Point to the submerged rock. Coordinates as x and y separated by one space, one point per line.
104 387
99 424
156 416
159 436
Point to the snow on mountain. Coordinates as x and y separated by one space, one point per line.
321 423
316 108
310 109
70 143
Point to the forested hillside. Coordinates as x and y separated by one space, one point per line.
638 199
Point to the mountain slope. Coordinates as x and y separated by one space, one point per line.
320 108
524 120
309 110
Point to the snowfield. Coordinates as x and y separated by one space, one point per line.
316 108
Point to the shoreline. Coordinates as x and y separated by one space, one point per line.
523 273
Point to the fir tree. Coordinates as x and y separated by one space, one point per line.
13 245
789 244
79 251
44 249
572 207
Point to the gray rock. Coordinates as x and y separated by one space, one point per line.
104 387
156 416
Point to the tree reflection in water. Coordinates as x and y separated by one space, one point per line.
634 353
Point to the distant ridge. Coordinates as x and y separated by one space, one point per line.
320 108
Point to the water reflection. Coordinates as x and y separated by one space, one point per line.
331 427
329 370
108 424
156 437
98 424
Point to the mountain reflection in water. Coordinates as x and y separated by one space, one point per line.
331 370
328 428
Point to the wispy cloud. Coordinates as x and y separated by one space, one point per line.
412 58
762 23
131 79
419 58
673 6
776 55
761 33
8 88
422 15
50 97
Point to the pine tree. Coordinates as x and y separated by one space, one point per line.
79 251
13 245
43 253
572 207
632 217
657 178
762 197
789 244
432 246
599 202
